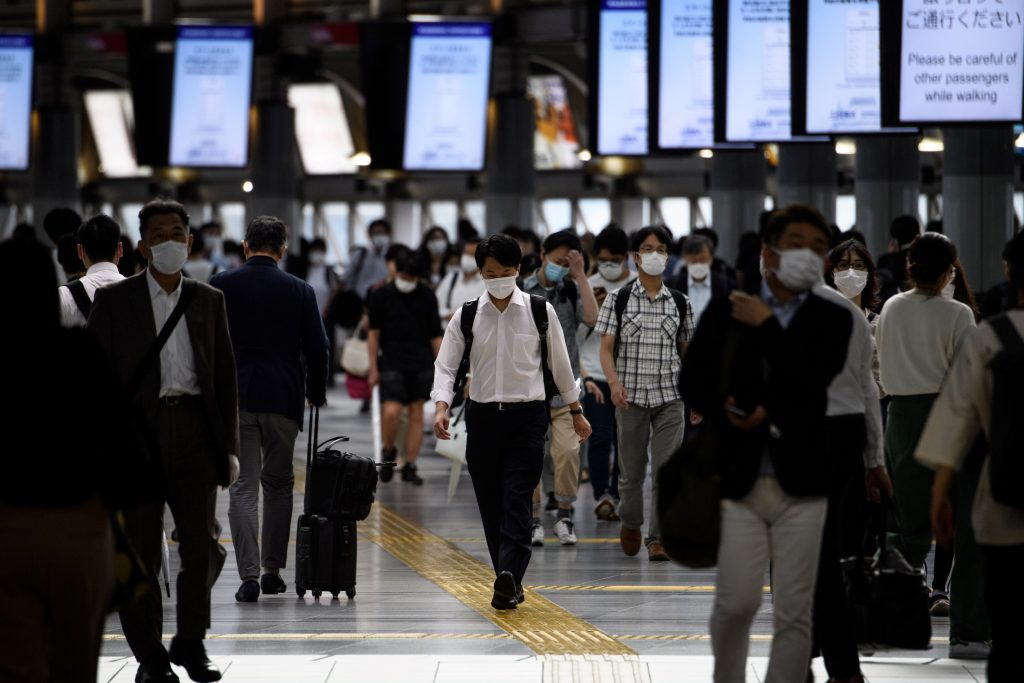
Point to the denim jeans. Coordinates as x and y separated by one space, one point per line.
604 470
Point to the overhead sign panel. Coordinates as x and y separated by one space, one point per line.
15 100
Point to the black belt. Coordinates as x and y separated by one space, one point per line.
179 400
520 405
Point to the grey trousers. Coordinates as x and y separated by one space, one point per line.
662 429
268 444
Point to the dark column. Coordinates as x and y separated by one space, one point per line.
887 185
807 175
511 177
737 197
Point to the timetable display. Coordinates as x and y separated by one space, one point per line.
16 61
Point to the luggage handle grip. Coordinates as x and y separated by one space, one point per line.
331 442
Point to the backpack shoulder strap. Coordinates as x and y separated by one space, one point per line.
621 301
466 327
1008 335
682 304
82 300
539 309
451 291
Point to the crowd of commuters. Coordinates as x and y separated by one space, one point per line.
834 382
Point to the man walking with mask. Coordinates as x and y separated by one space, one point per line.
168 339
780 352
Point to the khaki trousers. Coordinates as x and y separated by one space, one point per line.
564 448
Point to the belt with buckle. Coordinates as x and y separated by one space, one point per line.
503 407
178 400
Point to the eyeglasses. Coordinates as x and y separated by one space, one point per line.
648 249
846 265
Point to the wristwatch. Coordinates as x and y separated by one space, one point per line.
578 411
587 379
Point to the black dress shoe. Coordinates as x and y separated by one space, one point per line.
504 592
155 673
191 655
409 475
387 458
249 591
272 584
520 594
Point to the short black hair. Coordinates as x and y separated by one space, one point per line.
67 255
795 213
472 237
160 207
99 237
710 235
233 247
395 252
408 262
695 244
562 238
869 296
502 248
198 242
930 257
904 229
378 223
317 243
266 234
612 238
59 222
662 233
24 232
1014 256
211 225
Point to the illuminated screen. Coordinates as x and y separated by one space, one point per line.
212 83
685 94
15 100
555 143
622 78
446 108
321 129
110 118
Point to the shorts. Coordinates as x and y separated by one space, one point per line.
406 386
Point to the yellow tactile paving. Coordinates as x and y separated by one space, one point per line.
633 589
339 636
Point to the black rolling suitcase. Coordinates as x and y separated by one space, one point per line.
340 489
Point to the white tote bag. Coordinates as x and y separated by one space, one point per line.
355 357
455 450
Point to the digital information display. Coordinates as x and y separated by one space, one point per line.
686 97
843 85
446 109
110 118
622 78
321 129
15 100
757 104
212 85
961 61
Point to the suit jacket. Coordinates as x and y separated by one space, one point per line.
122 320
787 371
275 322
720 284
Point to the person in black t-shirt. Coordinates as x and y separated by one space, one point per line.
405 335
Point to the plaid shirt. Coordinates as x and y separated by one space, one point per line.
648 363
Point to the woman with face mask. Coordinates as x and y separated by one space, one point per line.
917 335
435 251
852 273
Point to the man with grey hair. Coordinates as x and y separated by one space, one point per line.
696 279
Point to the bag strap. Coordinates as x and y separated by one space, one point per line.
1008 335
82 300
451 288
621 301
466 326
188 294
359 267
539 309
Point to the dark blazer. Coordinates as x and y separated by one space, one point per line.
720 284
785 370
274 322
122 320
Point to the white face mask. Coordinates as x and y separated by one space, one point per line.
950 289
500 287
698 271
317 258
610 270
437 247
468 264
653 263
405 286
168 257
799 269
850 282
381 242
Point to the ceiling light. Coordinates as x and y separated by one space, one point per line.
584 155
360 159
929 144
247 186
846 147
706 153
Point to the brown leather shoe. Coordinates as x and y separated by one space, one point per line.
656 552
630 540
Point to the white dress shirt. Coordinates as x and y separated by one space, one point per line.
962 410
177 364
699 293
99 275
589 341
505 359
458 290
853 391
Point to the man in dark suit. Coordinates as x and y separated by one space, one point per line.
780 352
275 323
697 279
188 401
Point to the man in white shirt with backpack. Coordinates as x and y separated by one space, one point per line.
99 247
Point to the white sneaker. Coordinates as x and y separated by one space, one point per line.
565 532
537 535
962 649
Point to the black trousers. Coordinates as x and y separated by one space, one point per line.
834 633
187 451
1002 593
505 455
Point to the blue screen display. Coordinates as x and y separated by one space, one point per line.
15 100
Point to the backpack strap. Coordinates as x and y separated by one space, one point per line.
466 326
682 305
1008 335
82 300
539 309
621 301
451 290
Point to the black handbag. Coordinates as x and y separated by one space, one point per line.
888 597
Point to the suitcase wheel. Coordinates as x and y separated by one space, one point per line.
316 595
334 595
351 593
301 592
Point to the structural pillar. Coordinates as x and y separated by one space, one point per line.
807 175
628 213
511 178
737 197
275 177
977 190
887 185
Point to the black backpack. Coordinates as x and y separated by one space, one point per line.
1006 466
82 300
622 301
538 307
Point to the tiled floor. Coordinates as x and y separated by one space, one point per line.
657 610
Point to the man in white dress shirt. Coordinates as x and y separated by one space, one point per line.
462 285
507 413
99 247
